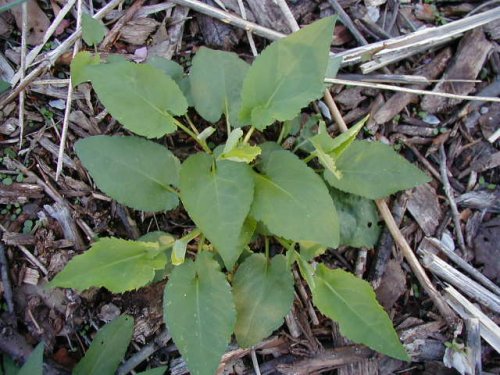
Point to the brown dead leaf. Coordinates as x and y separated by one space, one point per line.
38 22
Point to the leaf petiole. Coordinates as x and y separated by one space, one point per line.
189 132
249 134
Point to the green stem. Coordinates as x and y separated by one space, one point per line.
191 124
282 134
189 132
191 235
248 135
201 242
311 156
266 246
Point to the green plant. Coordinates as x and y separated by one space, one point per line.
235 193
102 357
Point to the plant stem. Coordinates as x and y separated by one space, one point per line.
191 124
248 135
189 132
311 156
191 235
282 134
266 246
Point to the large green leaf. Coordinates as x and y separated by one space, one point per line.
293 202
263 295
216 80
116 264
358 218
140 96
93 30
217 196
199 312
287 76
351 302
34 364
107 349
374 170
132 170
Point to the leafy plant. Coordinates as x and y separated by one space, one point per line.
236 193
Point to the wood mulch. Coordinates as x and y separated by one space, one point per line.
436 272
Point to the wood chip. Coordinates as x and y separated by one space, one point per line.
467 63
423 205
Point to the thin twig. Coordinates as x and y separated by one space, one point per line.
465 266
28 255
143 354
255 362
24 37
54 55
451 200
346 20
382 86
113 33
412 260
69 99
249 34
48 34
7 289
230 19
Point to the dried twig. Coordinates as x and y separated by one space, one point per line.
24 37
114 32
346 20
230 19
465 266
249 34
69 99
255 362
474 345
31 56
490 332
468 286
52 56
451 200
28 255
412 260
382 86
4 272
143 354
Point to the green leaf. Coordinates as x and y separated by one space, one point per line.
4 86
154 371
217 196
263 294
136 172
216 80
93 31
293 202
199 312
351 302
116 264
140 96
287 76
79 64
243 153
174 71
169 67
9 366
236 151
179 252
34 363
310 250
374 170
163 239
334 63
358 218
107 349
